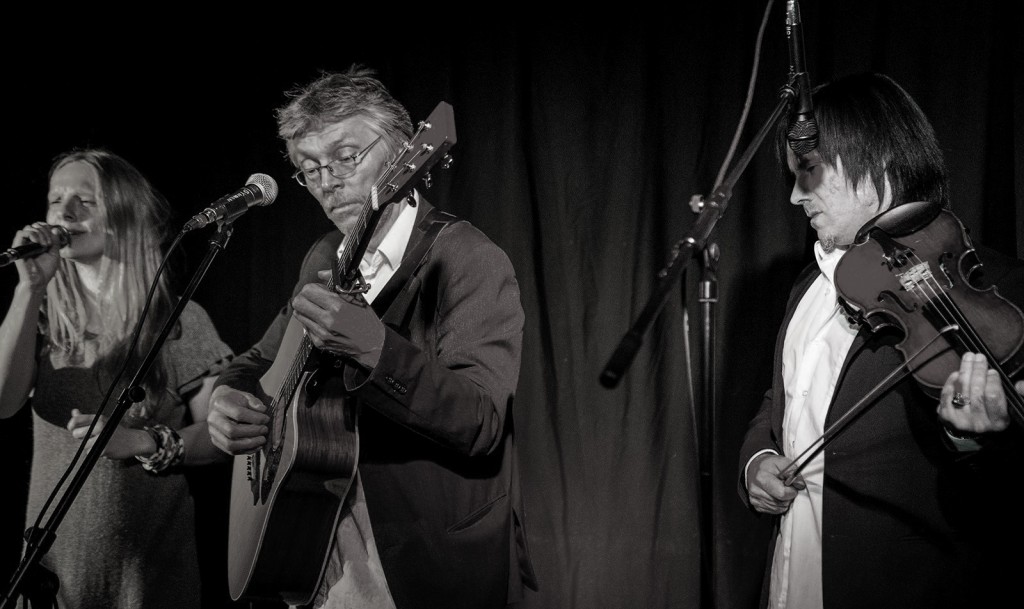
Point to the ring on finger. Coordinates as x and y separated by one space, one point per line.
960 400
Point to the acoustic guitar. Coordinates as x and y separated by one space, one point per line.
287 497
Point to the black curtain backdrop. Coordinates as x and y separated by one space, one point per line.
580 143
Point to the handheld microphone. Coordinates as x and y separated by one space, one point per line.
260 189
802 132
31 250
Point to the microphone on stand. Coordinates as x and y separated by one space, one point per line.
260 189
31 250
802 132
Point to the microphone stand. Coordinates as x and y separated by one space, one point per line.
710 212
708 298
712 209
40 539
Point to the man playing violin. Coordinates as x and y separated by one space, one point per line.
908 504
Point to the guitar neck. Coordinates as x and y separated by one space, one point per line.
355 247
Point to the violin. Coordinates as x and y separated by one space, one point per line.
913 267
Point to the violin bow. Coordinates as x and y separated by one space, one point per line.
789 474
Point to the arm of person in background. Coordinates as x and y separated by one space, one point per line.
196 356
127 442
19 328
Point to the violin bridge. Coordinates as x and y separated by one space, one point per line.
916 276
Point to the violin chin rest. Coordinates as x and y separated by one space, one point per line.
901 220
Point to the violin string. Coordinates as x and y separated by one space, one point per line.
944 306
977 345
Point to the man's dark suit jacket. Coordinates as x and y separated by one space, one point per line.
437 457
907 520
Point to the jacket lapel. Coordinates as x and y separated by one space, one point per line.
397 281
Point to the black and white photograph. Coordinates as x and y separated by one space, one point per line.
709 306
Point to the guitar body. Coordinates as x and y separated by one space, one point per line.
286 498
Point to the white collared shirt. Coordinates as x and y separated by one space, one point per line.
817 342
354 576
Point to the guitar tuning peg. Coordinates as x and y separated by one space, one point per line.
447 161
428 180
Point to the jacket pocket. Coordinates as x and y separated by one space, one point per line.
475 516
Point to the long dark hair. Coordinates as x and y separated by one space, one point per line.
878 130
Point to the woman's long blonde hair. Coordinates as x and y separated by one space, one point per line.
136 222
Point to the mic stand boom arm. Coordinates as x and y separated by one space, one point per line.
39 540
713 209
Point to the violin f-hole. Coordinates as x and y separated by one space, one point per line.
889 295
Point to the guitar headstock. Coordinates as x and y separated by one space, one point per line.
428 146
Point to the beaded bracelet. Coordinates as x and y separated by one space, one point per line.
170 450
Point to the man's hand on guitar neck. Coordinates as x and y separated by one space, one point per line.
340 324
237 421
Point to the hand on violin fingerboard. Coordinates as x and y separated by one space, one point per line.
973 400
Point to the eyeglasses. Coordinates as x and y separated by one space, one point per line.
338 168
